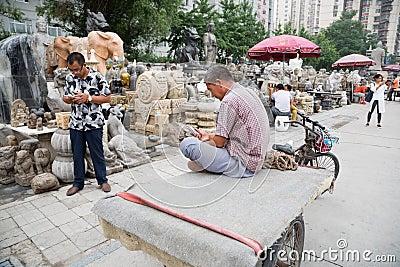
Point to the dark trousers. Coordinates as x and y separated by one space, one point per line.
375 104
95 143
390 93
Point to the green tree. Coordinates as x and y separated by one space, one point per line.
140 23
9 11
237 29
328 55
347 35
287 29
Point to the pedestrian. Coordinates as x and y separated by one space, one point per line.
360 91
378 87
239 144
86 89
395 86
293 108
148 67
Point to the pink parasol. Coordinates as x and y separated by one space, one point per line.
284 47
395 68
353 60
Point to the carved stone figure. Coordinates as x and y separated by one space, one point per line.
18 113
23 168
42 160
41 41
11 140
176 84
44 182
113 165
296 63
230 65
321 80
32 121
190 52
354 78
30 145
210 44
54 100
334 81
63 46
106 45
110 73
127 151
377 55
96 22
7 159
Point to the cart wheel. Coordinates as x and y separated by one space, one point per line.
288 249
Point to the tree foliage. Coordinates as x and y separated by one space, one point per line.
347 35
9 11
139 23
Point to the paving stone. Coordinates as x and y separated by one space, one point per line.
84 209
60 194
92 219
18 208
61 252
75 227
88 239
53 209
7 224
28 217
123 181
48 238
74 201
63 217
11 237
37 227
44 201
94 195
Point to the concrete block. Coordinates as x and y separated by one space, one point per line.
28 217
37 227
75 227
88 239
63 217
60 252
48 238
53 209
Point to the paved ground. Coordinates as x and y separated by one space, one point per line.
51 229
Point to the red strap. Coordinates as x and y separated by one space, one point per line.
245 240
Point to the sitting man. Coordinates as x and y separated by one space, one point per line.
360 91
239 145
283 101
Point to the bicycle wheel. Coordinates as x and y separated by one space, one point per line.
327 161
288 249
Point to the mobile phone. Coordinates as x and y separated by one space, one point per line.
192 130
70 96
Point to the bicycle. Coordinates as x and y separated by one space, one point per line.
315 151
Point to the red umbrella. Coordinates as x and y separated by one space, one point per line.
391 68
284 47
353 60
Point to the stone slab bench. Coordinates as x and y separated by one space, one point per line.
259 208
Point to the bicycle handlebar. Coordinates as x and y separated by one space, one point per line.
307 119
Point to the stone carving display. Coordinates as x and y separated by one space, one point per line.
152 86
63 46
176 84
44 182
354 78
113 165
334 81
32 121
210 44
63 164
41 41
30 145
42 160
377 55
321 80
63 120
24 168
39 124
11 140
7 160
189 52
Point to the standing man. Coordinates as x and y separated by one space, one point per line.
395 85
86 90
238 147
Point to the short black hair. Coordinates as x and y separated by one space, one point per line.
148 65
395 75
289 87
280 86
376 76
76 56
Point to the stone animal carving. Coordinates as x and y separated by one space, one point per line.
190 52
42 160
44 182
127 151
106 45
63 46
23 168
96 22
7 160
11 140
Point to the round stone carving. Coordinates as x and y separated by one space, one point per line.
151 86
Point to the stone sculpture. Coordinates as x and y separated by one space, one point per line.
127 151
96 22
334 81
354 78
11 140
32 121
210 44
41 41
44 182
110 73
63 46
321 80
42 160
39 124
23 168
377 55
54 100
113 165
7 160
176 84
19 114
190 52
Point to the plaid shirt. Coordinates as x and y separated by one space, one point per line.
242 119
86 116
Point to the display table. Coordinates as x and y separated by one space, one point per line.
44 136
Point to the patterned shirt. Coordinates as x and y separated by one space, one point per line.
86 116
242 119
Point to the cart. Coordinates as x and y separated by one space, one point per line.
266 208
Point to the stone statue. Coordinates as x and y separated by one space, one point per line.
113 165
296 63
127 151
354 78
334 81
44 182
377 55
19 115
7 159
230 65
176 84
32 121
39 124
42 160
24 168
110 73
11 140
96 22
190 52
321 80
40 43
210 44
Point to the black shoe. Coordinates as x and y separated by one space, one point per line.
379 126
367 124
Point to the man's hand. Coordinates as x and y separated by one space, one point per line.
80 98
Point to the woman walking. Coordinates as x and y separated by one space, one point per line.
378 87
